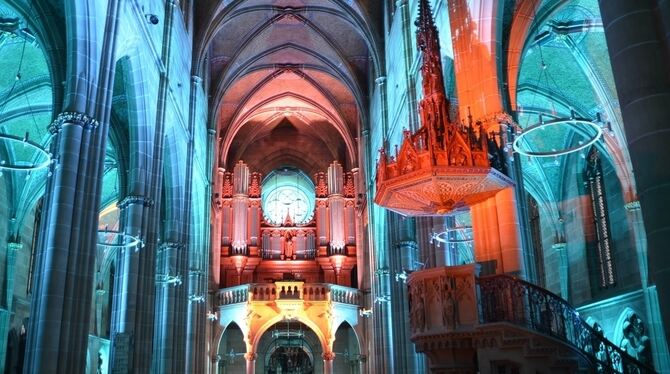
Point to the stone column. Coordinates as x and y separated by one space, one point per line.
250 357
328 358
382 319
659 346
65 267
640 57
100 296
361 364
406 20
169 338
563 269
476 34
383 96
197 263
127 295
407 360
8 293
516 173
509 232
169 329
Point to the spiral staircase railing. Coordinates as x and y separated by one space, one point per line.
507 299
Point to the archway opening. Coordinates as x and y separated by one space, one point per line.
230 355
289 347
347 350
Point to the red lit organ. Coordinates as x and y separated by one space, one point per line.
285 224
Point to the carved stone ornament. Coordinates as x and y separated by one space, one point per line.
443 166
255 185
635 340
321 186
227 189
75 118
349 189
135 200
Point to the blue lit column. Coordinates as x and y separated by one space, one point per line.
653 318
563 269
8 293
62 296
129 283
65 266
637 40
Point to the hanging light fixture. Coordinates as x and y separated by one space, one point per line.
531 141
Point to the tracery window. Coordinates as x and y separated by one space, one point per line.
536 238
33 245
595 185
288 194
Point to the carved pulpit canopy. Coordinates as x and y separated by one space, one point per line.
443 166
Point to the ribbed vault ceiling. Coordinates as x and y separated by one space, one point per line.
289 80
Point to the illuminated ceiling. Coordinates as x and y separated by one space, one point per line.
563 68
289 80
25 82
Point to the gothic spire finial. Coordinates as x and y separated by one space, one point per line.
425 20
429 44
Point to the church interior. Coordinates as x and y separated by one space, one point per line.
334 186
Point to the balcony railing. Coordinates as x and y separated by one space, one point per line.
507 299
287 290
233 295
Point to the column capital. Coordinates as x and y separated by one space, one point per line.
135 199
250 356
196 80
407 244
559 246
382 271
400 3
75 118
632 205
328 356
380 80
170 245
13 246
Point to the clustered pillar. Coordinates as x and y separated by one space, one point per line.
637 34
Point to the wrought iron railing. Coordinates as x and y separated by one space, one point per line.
508 299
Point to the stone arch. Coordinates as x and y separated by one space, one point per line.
231 349
347 349
325 345
631 336
270 344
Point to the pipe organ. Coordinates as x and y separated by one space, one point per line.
285 227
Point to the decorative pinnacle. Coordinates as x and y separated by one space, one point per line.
428 42
425 21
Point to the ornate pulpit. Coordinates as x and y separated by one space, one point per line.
443 166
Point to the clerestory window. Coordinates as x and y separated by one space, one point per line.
595 185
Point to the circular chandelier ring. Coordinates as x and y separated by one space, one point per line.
129 241
543 125
26 143
442 238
